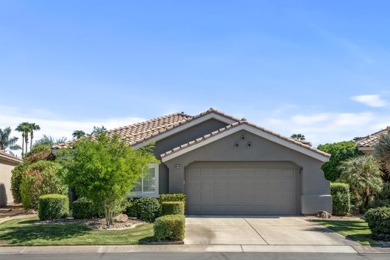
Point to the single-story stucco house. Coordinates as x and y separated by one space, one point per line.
367 144
229 166
7 163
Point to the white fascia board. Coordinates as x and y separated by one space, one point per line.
366 148
185 126
254 131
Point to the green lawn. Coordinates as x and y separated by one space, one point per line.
356 230
26 232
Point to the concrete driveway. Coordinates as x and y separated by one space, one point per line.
259 231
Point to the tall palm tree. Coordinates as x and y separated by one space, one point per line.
6 141
364 176
24 128
299 137
78 134
33 127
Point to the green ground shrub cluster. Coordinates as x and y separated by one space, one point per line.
170 227
53 206
378 220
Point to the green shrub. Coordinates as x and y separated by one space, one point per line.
170 227
340 199
131 209
16 181
146 209
172 208
378 220
382 199
173 197
40 178
53 206
84 209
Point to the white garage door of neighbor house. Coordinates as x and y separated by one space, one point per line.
241 189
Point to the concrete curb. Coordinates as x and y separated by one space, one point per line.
177 248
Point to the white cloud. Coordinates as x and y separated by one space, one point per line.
53 125
370 100
327 127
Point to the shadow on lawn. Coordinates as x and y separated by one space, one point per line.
356 230
29 231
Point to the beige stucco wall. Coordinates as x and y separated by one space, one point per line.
5 182
314 188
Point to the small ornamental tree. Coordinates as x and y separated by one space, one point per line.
104 169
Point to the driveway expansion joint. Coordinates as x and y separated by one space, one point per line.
256 231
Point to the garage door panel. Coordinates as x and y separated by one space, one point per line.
241 190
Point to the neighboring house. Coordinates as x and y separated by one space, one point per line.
7 163
367 144
230 166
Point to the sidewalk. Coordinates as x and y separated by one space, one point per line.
192 249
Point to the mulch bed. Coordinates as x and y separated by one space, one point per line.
353 217
98 223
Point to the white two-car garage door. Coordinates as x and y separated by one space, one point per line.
241 188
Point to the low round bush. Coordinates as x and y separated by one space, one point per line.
170 227
378 220
146 209
341 199
173 197
131 209
172 208
83 209
53 206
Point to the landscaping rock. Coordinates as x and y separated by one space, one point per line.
121 218
323 214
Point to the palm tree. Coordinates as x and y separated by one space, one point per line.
363 174
49 140
382 153
24 128
78 134
299 137
6 141
33 127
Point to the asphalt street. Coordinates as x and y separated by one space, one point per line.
195 256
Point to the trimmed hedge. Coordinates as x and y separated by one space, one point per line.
53 206
170 227
378 220
173 197
172 208
341 199
84 209
146 209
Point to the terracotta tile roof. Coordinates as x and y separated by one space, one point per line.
241 122
9 157
372 139
143 131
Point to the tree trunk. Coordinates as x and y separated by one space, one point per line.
26 141
22 145
31 139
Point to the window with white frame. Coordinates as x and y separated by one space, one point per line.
148 185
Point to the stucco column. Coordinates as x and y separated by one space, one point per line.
176 177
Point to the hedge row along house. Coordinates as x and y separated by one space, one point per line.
229 166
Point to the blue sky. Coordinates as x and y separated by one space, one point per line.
320 68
